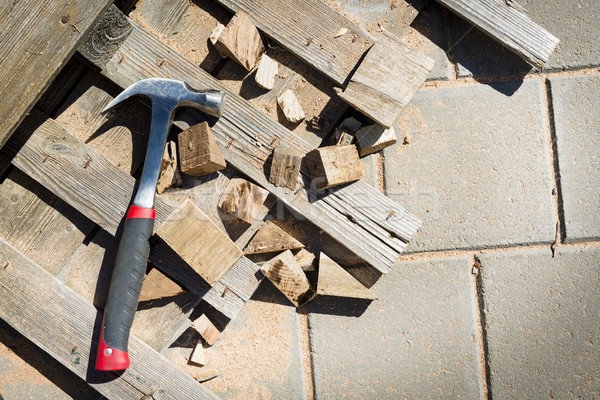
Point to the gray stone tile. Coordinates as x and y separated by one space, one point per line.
477 170
541 321
418 340
576 101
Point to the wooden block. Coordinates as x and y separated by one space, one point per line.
199 153
242 199
169 175
198 355
241 41
372 138
386 80
336 281
305 260
334 165
157 286
269 239
285 167
288 277
207 329
291 107
197 240
216 33
266 72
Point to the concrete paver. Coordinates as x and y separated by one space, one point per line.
541 323
477 170
575 102
418 340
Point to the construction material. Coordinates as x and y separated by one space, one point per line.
375 89
291 107
198 355
207 330
336 281
508 23
269 239
216 33
157 286
373 138
242 199
288 277
168 175
285 167
38 37
241 41
199 153
345 132
266 72
333 166
305 260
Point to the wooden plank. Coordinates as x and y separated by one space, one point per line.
37 39
355 215
61 323
508 23
307 29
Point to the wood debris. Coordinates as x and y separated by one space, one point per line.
271 238
214 35
285 167
341 32
198 355
266 72
157 286
291 107
241 41
305 260
199 153
242 199
336 281
169 175
334 165
288 277
207 330
373 138
345 132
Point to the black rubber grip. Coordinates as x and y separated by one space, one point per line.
126 282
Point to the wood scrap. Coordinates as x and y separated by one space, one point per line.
217 252
341 32
207 330
288 277
270 238
305 260
266 72
285 167
334 165
242 199
372 138
198 355
345 132
291 107
199 153
241 41
216 33
169 175
336 281
157 286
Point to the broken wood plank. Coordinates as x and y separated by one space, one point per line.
386 80
285 167
242 199
373 138
207 330
336 281
168 175
157 286
334 165
38 37
305 260
291 108
508 23
288 277
266 72
40 307
199 153
270 239
241 41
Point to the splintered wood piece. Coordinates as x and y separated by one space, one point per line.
372 138
285 167
157 286
198 355
305 260
169 175
216 33
199 153
198 241
207 330
334 165
336 281
241 41
291 107
288 277
386 80
271 238
242 199
266 72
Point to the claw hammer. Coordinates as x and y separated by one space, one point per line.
165 96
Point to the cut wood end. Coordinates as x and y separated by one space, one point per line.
158 286
216 32
206 329
336 281
266 72
288 277
168 175
241 41
199 153
305 260
285 167
373 138
198 355
271 238
242 199
334 165
291 107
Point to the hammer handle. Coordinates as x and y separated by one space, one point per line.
124 292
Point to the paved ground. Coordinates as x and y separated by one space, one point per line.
481 307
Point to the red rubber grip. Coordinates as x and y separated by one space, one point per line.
141 212
109 358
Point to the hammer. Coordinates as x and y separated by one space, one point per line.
165 96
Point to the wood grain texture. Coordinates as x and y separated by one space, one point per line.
242 199
64 325
288 277
285 167
266 72
334 165
157 286
307 29
199 153
37 39
241 41
168 174
336 281
291 107
509 24
305 260
206 329
270 238
373 138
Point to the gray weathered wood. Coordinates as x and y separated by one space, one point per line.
65 326
37 39
507 22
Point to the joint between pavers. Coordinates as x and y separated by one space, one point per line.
481 329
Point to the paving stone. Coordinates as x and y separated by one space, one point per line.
575 102
541 321
418 340
477 170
